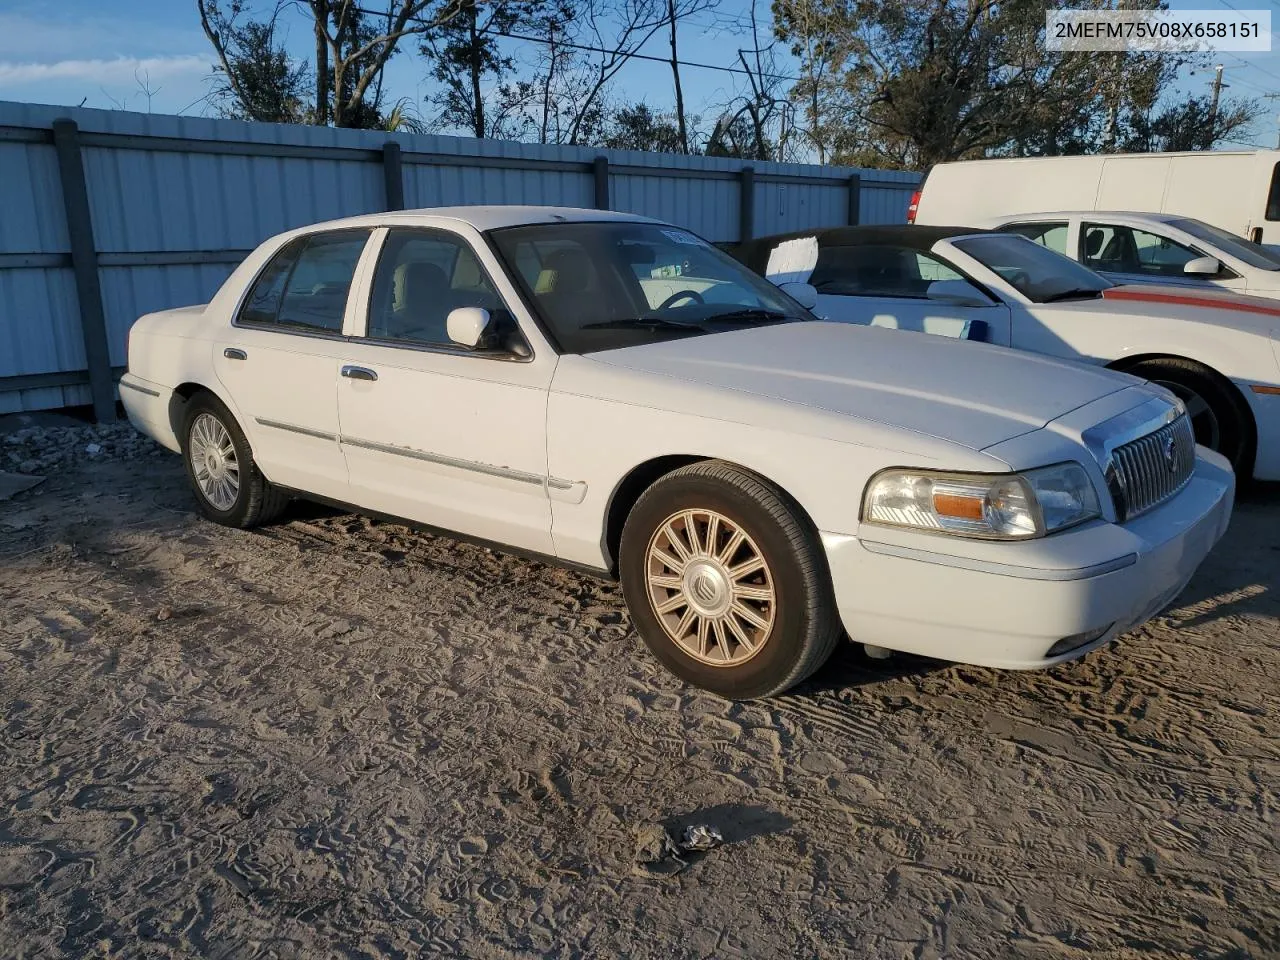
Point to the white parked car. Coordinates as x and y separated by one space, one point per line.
615 394
1152 248
1218 351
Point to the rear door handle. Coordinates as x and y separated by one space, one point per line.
235 353
359 373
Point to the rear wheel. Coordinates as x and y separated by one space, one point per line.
229 487
1216 415
727 583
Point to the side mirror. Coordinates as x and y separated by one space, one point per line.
1203 267
802 293
957 293
468 326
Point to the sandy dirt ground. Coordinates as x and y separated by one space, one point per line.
334 737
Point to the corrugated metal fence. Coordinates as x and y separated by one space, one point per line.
107 215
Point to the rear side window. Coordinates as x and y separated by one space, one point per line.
305 285
1051 235
263 302
878 271
1273 195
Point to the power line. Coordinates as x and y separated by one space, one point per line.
624 53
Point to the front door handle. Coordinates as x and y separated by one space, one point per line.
235 353
359 373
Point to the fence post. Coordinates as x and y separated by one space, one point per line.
855 199
84 263
746 203
391 175
600 168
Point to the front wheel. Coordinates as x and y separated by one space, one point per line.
228 486
727 583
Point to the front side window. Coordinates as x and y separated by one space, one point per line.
1036 272
609 284
1273 194
305 285
422 276
1121 249
1051 235
871 270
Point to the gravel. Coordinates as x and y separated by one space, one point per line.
41 450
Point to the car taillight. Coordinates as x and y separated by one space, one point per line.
914 207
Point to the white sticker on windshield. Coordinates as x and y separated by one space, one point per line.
792 261
679 236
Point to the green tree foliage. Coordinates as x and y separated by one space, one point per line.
910 83
256 79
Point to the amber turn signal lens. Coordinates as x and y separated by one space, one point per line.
962 508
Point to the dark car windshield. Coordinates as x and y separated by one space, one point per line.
1253 254
603 285
1034 271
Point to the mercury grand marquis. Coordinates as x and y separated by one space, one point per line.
616 394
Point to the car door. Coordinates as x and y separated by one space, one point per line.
279 360
888 286
1125 254
433 431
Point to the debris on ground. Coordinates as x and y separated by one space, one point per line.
43 449
658 852
700 837
12 484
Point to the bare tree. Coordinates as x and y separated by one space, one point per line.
758 122
676 11
615 30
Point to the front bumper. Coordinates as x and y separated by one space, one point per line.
1007 604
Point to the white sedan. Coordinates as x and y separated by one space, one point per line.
1152 248
615 394
1218 351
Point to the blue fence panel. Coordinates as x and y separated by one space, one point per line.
211 190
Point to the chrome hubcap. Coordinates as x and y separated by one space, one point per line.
710 587
1204 422
213 461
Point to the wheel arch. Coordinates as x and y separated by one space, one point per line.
183 394
1127 363
645 474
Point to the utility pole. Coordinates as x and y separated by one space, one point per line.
1217 91
1274 96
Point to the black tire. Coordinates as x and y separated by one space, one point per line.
805 625
256 500
1221 422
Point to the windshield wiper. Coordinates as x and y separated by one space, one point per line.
1075 293
756 314
657 323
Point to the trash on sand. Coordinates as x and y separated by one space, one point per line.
93 448
700 837
660 854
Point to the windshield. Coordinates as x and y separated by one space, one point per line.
604 285
1253 254
1034 271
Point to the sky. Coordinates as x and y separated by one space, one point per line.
151 55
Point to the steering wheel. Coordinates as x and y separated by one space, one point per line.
679 295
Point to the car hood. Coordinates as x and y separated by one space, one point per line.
1221 308
972 394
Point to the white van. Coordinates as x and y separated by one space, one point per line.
1237 190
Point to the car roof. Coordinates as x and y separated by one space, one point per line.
1138 215
899 235
480 216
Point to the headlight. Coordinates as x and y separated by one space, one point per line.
1011 506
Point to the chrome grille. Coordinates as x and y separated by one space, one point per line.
1148 471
